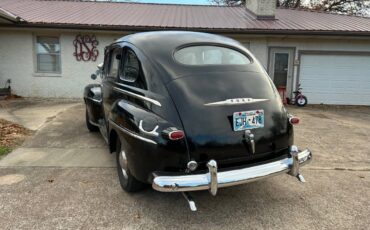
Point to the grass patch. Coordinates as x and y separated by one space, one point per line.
4 150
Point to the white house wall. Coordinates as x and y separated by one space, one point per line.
17 58
17 62
260 47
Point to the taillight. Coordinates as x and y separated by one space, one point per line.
176 135
294 120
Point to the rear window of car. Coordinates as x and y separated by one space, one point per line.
210 55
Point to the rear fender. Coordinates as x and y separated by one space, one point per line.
147 148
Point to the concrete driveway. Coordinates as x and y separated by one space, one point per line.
63 177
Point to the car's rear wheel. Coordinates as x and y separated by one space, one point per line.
90 127
128 182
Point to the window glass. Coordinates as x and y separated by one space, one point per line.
132 73
131 68
48 54
210 55
115 59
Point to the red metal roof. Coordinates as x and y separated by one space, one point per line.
187 17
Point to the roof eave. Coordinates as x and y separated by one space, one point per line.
213 30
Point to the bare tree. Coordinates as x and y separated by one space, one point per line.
242 2
227 2
290 3
349 7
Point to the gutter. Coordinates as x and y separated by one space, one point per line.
209 30
10 16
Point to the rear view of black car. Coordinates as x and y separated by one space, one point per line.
188 111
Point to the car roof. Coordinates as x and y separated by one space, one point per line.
173 39
159 47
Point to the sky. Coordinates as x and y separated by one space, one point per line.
194 2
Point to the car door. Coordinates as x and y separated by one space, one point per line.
134 117
112 68
130 81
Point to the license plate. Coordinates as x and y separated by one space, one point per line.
248 120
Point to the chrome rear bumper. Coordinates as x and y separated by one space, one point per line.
213 180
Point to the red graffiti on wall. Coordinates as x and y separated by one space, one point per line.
86 48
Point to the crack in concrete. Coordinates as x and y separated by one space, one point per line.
341 169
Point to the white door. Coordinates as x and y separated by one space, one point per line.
281 68
335 79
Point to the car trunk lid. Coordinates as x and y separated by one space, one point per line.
206 103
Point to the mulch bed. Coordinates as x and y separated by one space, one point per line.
11 135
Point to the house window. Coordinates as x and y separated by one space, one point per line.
48 54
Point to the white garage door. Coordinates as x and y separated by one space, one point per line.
336 79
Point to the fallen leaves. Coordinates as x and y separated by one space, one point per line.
11 134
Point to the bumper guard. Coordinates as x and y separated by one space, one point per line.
213 180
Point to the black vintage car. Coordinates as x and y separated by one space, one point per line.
188 111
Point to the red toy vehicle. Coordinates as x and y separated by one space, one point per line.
299 99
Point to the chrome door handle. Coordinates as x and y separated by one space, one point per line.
150 133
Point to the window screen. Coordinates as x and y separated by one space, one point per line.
48 54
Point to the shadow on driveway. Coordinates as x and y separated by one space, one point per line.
77 186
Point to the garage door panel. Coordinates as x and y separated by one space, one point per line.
344 73
339 99
365 87
311 85
345 84
336 79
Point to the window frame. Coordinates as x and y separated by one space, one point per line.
36 55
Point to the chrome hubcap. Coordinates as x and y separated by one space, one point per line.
123 163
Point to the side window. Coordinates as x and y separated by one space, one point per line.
132 73
115 59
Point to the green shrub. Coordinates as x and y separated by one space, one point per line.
4 150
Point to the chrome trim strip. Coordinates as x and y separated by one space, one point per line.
131 133
235 101
94 100
155 102
97 101
150 133
166 182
